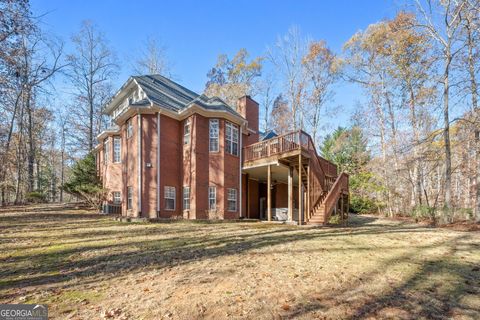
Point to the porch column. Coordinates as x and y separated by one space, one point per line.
300 191
290 193
269 193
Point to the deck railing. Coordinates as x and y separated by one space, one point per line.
277 145
323 173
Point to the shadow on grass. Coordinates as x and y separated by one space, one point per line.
123 248
435 291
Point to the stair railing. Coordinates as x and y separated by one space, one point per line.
331 199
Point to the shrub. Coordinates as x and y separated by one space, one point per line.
36 197
363 205
335 219
85 184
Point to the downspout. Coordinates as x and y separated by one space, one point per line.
158 164
240 173
139 150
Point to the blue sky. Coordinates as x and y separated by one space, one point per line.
195 32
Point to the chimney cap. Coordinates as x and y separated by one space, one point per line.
248 97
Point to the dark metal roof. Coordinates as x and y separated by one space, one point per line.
175 97
267 135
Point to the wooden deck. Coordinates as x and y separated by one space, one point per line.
322 190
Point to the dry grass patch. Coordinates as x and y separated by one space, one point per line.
88 266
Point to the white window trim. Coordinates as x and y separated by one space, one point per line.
119 150
129 198
119 197
166 192
235 192
214 188
129 128
210 137
229 142
187 133
186 198
106 151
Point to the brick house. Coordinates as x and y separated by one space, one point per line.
173 153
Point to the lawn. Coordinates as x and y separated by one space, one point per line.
86 266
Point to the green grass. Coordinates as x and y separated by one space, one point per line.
82 265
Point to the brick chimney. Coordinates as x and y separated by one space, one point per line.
248 108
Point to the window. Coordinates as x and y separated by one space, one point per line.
212 198
129 197
106 151
169 198
232 199
117 198
213 129
186 132
117 149
129 128
231 138
186 198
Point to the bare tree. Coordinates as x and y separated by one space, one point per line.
40 61
321 71
92 67
443 28
286 55
233 78
153 59
266 88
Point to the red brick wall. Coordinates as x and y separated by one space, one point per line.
248 108
180 165
131 166
170 163
149 165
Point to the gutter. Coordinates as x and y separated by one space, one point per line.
158 164
240 172
139 150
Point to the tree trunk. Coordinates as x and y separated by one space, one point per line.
446 133
474 96
477 182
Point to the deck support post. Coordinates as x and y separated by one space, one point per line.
300 191
269 193
307 215
341 207
290 193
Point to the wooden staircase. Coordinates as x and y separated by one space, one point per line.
326 187
321 212
323 185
